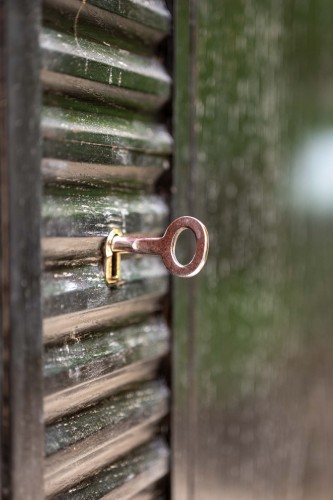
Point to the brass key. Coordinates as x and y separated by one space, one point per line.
118 243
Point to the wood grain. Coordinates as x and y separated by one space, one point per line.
122 174
87 358
72 325
113 415
75 398
105 145
65 128
106 25
20 270
62 53
125 477
94 212
67 290
62 477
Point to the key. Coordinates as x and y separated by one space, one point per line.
118 243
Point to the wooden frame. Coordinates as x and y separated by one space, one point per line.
21 337
184 291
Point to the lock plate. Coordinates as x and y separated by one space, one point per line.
112 259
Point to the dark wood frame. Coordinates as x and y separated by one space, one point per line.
184 296
21 327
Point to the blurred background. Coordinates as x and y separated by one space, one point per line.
253 400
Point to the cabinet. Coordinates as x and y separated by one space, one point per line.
216 387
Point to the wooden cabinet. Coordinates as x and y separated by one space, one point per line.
96 99
125 114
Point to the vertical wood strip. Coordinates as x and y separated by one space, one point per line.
184 292
21 419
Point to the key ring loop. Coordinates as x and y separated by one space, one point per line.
169 245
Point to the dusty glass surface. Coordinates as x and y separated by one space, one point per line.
254 161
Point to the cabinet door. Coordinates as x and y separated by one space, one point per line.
105 144
96 104
254 344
